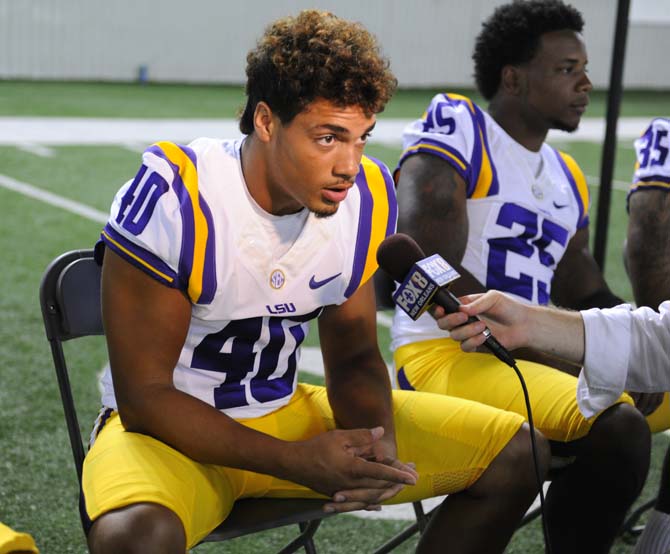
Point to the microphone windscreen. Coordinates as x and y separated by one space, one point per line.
397 254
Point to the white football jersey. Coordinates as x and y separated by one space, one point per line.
520 216
188 221
652 167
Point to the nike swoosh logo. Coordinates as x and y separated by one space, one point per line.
559 206
314 284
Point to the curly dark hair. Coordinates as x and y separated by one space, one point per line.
316 55
511 36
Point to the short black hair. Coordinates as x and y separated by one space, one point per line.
316 55
511 36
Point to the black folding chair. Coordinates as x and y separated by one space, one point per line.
70 300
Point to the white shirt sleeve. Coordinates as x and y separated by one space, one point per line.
624 349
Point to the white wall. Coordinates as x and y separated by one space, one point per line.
429 41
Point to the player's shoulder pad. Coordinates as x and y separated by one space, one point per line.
451 128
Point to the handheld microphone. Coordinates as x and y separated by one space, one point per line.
424 282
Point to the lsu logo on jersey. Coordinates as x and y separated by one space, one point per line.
278 309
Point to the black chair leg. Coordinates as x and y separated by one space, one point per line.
419 526
305 540
309 543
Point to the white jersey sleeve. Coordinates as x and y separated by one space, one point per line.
652 166
161 224
454 129
447 130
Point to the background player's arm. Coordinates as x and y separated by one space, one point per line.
578 282
357 380
648 246
432 210
146 324
648 261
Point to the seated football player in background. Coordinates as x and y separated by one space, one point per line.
484 190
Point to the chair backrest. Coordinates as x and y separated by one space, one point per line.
70 301
70 296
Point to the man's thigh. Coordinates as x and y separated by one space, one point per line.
440 366
124 468
451 440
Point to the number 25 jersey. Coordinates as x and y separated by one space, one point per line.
521 217
188 221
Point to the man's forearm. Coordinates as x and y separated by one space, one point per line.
362 399
203 433
557 332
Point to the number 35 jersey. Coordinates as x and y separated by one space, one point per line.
522 207
188 221
652 167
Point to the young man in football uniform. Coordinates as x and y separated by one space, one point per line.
621 348
484 190
217 255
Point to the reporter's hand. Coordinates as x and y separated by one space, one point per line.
351 467
505 317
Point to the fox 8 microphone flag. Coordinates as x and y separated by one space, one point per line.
424 279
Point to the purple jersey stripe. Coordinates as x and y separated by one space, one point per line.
663 183
475 162
481 126
186 261
187 217
655 178
363 235
390 194
441 150
140 257
209 282
190 153
583 220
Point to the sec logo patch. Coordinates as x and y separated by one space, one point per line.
277 279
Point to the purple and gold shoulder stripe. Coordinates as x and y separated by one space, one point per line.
577 181
378 214
196 272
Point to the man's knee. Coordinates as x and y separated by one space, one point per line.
621 441
513 470
623 428
139 528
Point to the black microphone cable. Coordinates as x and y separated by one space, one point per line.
533 446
